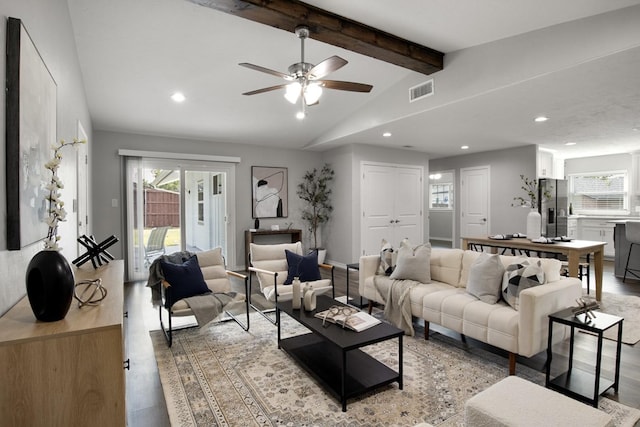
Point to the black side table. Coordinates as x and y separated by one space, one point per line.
580 384
363 301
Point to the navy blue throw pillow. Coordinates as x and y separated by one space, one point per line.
186 279
304 267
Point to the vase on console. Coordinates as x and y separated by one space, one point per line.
534 224
50 285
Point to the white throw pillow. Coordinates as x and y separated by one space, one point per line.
413 263
485 278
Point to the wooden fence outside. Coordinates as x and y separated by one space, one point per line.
162 208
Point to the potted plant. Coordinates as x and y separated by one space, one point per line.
315 190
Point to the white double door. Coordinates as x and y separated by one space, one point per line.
392 205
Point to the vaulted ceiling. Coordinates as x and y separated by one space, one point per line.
575 61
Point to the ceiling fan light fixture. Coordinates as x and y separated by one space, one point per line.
293 92
312 93
300 115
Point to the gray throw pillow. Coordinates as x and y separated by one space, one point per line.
485 278
413 263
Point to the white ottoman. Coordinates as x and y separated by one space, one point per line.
517 402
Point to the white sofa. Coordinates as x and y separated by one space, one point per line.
445 301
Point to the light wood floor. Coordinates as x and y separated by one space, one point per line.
145 401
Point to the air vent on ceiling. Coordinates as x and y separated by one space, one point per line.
421 91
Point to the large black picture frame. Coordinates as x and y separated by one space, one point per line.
30 116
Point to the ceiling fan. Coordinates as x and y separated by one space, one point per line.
305 79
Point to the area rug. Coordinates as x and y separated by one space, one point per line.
627 307
222 376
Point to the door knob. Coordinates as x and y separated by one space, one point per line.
397 221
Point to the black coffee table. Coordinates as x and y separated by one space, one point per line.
332 354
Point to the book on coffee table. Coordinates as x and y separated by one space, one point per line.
358 321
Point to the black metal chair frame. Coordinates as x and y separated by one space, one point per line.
166 295
634 272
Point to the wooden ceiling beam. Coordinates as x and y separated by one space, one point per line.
335 30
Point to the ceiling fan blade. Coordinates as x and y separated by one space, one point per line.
350 86
265 89
266 70
327 66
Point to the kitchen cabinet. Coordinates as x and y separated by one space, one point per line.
600 230
545 164
572 228
69 372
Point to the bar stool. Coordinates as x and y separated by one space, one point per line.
632 233
584 270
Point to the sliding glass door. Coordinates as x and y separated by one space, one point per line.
176 206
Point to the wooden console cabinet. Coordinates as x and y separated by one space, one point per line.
69 372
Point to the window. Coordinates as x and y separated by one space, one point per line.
599 193
440 195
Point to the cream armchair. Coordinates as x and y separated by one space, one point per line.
217 280
269 263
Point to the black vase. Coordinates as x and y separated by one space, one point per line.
50 284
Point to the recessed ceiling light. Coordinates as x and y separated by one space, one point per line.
540 119
569 143
386 134
464 147
178 97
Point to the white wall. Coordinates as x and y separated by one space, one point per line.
49 26
506 168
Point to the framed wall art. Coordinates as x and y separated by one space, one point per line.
30 134
269 195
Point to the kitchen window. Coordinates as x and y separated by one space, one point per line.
599 193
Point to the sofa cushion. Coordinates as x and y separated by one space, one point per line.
485 278
445 265
213 270
388 257
413 263
518 277
185 279
305 267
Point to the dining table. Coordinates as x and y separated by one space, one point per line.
572 249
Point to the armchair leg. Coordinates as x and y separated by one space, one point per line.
247 303
370 306
168 333
257 309
426 330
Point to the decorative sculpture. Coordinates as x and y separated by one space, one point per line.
96 252
585 307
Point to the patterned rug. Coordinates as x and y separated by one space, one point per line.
627 307
222 376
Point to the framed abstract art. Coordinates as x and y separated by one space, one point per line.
30 134
269 192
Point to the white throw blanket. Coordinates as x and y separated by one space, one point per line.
397 304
